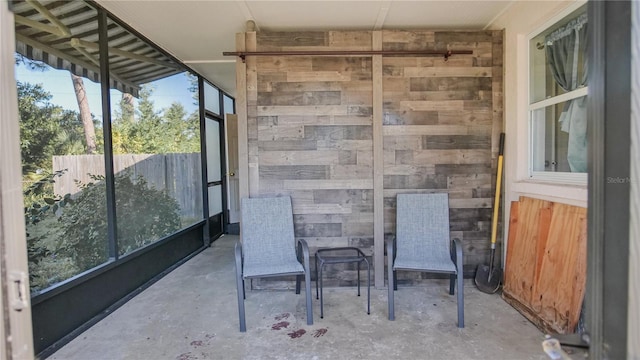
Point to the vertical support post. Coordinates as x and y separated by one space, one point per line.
378 163
609 115
252 112
206 236
107 135
633 351
16 338
241 110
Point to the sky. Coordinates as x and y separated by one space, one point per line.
58 83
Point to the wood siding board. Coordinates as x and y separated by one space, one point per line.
348 157
470 214
463 36
477 104
425 130
303 76
410 142
319 217
361 242
451 156
364 158
482 192
296 172
275 40
305 98
409 170
471 203
325 230
456 142
351 145
358 229
284 145
306 208
353 40
320 157
415 182
466 169
407 36
328 184
342 64
398 117
338 132
268 65
343 196
447 72
351 171
302 110
446 95
457 117
450 83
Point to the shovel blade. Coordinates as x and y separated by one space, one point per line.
488 281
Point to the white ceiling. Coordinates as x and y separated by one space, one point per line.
197 32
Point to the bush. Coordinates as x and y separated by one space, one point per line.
143 215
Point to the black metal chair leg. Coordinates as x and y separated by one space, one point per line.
321 299
452 283
316 276
358 278
240 288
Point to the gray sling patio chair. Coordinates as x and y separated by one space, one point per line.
422 244
268 248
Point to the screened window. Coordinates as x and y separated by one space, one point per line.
211 98
155 135
61 137
558 100
229 105
156 143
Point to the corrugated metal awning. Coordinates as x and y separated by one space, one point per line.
64 35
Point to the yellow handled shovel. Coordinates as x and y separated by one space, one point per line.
488 278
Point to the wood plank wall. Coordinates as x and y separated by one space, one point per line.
310 133
442 120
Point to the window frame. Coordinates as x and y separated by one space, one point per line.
559 177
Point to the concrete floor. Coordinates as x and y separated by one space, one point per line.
192 314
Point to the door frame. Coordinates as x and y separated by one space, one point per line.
221 218
232 216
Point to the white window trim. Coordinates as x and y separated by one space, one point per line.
558 178
574 94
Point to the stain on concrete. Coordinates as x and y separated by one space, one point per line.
197 343
282 316
319 332
279 326
296 334
186 356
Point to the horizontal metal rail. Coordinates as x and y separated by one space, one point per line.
445 53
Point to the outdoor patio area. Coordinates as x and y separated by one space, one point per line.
192 314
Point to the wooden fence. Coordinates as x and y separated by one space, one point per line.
178 174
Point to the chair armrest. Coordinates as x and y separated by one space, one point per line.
457 251
303 250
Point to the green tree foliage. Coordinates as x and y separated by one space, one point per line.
43 127
40 208
68 234
144 214
170 130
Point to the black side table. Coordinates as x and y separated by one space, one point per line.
337 256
